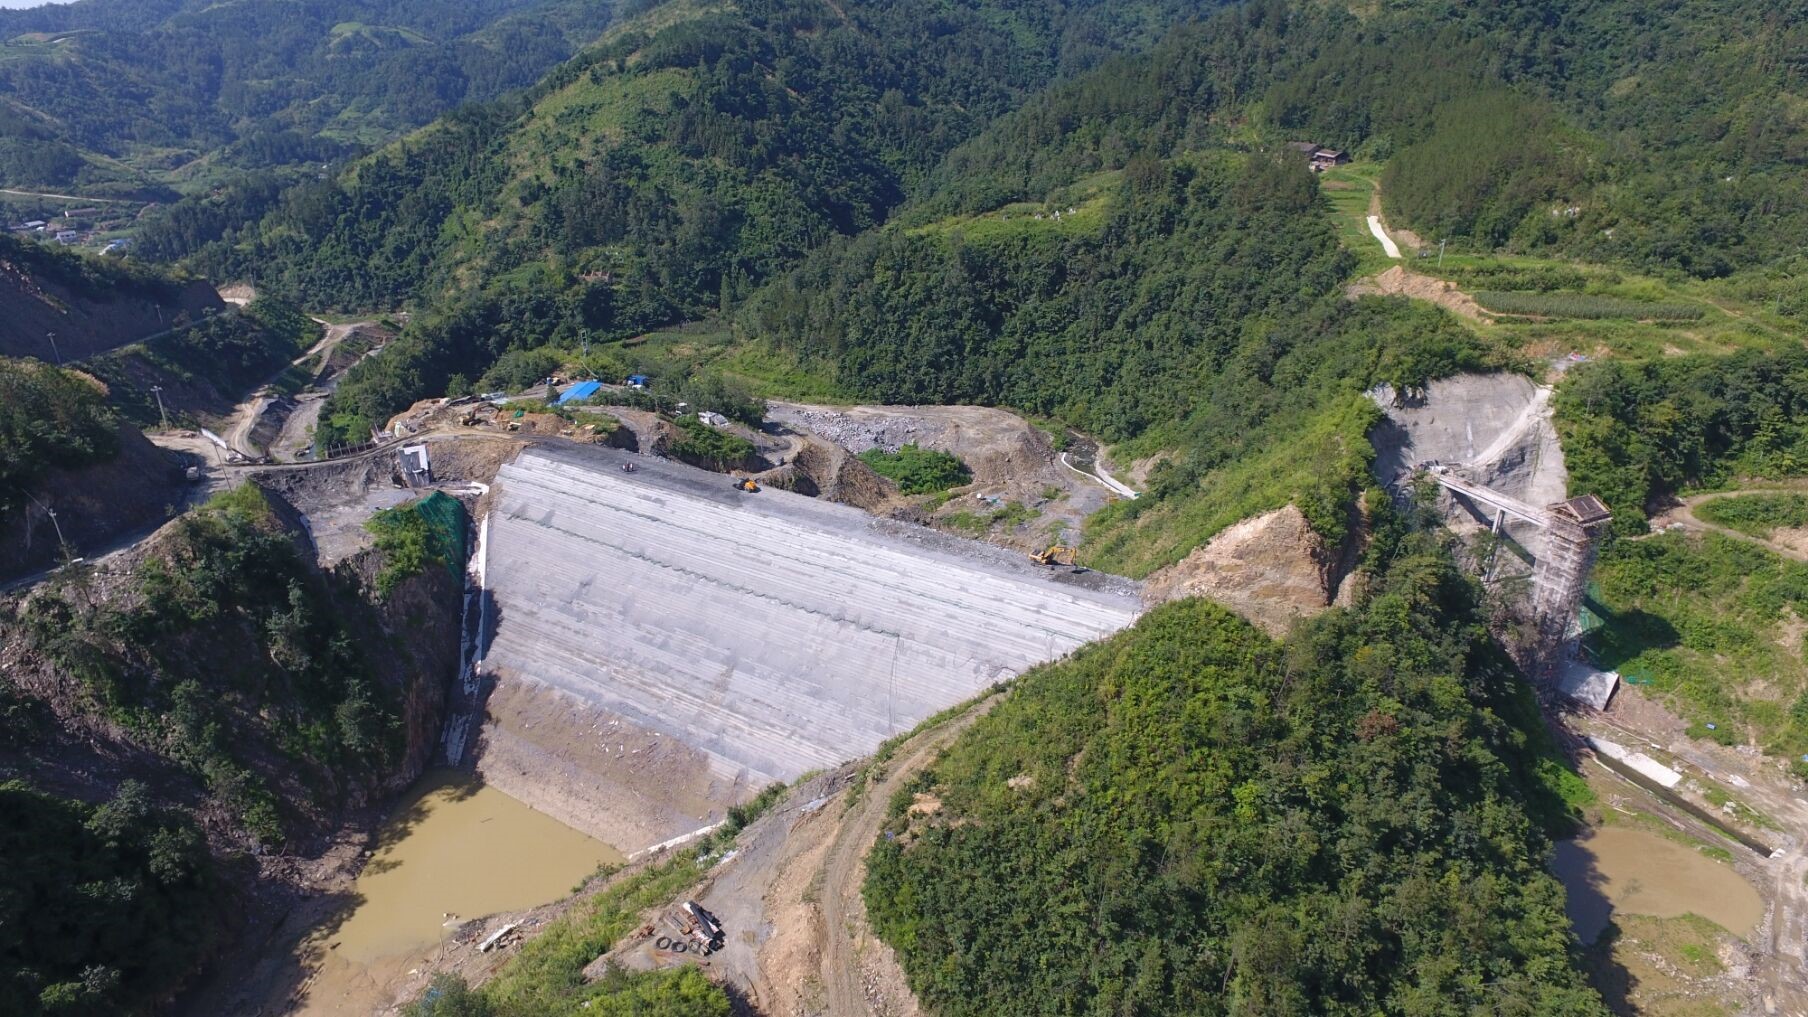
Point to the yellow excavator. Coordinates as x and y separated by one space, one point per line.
746 484
1057 554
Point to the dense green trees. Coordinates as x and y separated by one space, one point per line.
252 85
918 470
1116 331
103 909
736 140
49 419
1633 433
1191 818
1202 318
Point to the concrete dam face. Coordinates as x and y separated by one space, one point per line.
665 645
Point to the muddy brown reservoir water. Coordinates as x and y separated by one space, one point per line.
464 849
454 851
1613 868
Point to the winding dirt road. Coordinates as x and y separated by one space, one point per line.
844 867
1682 515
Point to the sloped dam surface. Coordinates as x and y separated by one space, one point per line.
665 645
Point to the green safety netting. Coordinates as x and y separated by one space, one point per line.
446 526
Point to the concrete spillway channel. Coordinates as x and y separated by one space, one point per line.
734 639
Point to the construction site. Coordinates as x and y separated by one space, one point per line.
649 644
1488 445
724 640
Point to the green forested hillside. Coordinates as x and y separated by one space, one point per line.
1200 314
657 177
49 418
115 95
102 908
1190 818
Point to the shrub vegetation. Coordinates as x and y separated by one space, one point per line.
1758 515
918 470
1583 305
1197 819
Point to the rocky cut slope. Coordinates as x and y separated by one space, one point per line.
224 687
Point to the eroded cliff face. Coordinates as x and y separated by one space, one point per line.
1272 569
419 624
218 663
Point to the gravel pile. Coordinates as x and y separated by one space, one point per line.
858 435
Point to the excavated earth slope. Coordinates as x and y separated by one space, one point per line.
665 645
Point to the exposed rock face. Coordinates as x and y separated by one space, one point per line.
1272 569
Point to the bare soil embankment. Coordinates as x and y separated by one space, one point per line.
1021 496
85 323
1272 569
96 506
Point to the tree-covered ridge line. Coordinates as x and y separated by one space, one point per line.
738 136
565 212
737 139
1197 819
128 94
1571 129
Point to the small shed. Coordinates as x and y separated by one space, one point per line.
1325 158
1586 510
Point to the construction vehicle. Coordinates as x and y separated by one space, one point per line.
747 484
1057 554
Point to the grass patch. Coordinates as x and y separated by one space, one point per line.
1010 515
1348 189
1320 468
1025 221
1756 515
1657 965
546 974
918 470
1707 627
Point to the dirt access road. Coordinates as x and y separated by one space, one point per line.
1792 545
305 411
798 939
847 953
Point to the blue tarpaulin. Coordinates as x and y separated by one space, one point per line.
580 392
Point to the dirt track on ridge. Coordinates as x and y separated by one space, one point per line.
844 961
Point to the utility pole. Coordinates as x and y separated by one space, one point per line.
157 390
53 346
64 544
1441 244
